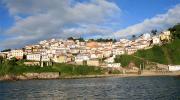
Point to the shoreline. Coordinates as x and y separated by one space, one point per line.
117 75
50 77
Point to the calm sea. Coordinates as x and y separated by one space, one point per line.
131 88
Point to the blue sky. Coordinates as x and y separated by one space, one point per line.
135 11
24 22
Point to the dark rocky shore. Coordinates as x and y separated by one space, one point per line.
56 75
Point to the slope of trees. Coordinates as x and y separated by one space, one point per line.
175 31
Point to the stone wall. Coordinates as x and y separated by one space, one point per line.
24 76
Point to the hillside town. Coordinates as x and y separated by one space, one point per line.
86 52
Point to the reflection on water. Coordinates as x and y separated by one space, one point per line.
132 88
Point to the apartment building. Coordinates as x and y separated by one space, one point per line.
18 54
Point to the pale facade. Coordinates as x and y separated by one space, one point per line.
165 36
146 36
130 51
118 51
34 57
114 65
174 68
93 62
60 59
156 40
17 54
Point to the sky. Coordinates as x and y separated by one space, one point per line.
24 22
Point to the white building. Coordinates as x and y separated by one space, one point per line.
93 56
110 59
74 51
17 53
156 40
81 57
114 65
174 67
146 36
167 32
45 58
130 50
107 53
34 57
118 51
43 42
124 40
140 45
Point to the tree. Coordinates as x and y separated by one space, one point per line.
141 35
70 38
175 31
6 50
151 42
99 40
91 40
172 29
114 40
13 61
133 37
1 59
80 39
154 32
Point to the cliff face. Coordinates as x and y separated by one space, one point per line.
24 76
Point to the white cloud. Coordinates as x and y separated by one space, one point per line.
160 22
42 19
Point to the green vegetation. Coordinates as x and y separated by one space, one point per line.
74 39
155 54
16 67
166 54
175 31
154 32
6 50
115 72
68 69
105 40
133 37
126 59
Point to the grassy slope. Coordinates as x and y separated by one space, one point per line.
173 50
64 69
156 54
166 54
126 59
